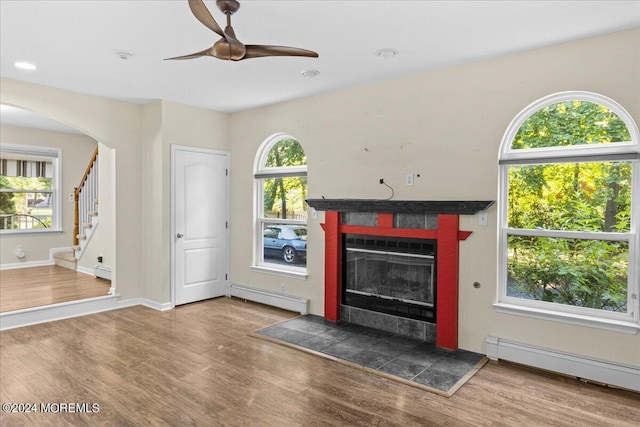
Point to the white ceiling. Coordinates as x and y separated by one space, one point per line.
74 43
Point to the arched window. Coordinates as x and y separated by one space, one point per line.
281 189
569 211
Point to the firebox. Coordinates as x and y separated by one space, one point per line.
390 275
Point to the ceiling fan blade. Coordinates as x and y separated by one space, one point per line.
206 52
258 50
203 15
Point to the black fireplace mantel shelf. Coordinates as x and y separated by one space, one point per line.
460 207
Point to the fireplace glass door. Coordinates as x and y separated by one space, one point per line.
382 275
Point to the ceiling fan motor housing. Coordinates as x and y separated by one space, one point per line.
228 7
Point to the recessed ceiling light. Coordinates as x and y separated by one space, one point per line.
23 65
123 55
386 53
309 74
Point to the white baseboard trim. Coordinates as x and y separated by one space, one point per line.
85 270
132 302
287 302
66 310
40 263
574 365
156 305
147 303
49 313
26 264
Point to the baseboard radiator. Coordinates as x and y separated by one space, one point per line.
274 299
102 272
600 371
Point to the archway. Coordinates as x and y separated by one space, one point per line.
35 247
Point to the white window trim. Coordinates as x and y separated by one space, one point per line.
261 173
56 155
570 318
280 271
628 322
507 153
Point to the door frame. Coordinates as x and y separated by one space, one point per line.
227 154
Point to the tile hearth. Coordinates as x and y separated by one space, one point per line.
412 360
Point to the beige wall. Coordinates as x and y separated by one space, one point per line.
76 153
140 138
102 242
446 126
117 125
168 123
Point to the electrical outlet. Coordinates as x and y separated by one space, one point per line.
283 287
409 179
482 218
71 198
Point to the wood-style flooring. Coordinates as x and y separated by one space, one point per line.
197 365
38 286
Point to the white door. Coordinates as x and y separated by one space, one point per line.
200 207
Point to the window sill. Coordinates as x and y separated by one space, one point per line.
9 233
302 275
573 319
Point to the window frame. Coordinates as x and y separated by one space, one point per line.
260 221
55 154
628 322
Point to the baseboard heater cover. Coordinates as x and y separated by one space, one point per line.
611 373
274 299
102 272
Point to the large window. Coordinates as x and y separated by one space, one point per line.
281 188
569 215
29 196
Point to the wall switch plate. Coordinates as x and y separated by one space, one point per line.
409 179
483 218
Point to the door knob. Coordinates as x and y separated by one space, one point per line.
179 235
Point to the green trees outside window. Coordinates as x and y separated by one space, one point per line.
281 179
284 197
569 207
25 202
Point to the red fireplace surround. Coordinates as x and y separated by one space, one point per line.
447 236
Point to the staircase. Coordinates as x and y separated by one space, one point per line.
66 259
85 198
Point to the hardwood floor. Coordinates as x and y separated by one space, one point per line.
37 286
197 365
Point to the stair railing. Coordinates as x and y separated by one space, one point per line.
85 198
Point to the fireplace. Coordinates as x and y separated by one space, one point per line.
390 275
400 240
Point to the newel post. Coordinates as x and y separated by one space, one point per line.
76 217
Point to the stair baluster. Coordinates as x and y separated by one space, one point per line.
85 198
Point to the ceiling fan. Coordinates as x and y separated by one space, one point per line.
229 47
